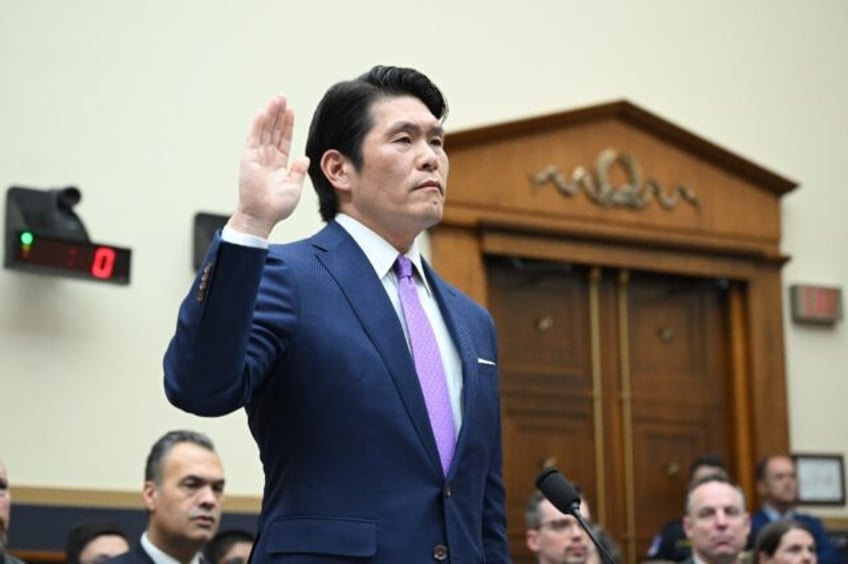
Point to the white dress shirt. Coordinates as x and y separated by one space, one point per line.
382 257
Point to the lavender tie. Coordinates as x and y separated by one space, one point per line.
428 363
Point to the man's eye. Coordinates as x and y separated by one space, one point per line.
437 142
403 139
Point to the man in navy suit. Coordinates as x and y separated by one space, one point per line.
777 484
183 491
311 339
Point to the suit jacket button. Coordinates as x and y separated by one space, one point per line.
448 491
440 552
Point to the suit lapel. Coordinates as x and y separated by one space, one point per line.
365 294
451 312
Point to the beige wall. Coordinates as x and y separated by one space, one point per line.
143 104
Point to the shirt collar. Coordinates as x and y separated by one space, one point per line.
380 253
775 515
160 557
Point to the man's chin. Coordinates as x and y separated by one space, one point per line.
203 534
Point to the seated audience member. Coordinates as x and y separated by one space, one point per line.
229 547
716 522
5 516
671 543
183 491
93 543
558 538
785 542
777 485
553 536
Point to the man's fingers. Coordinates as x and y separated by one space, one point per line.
277 118
268 123
255 130
271 131
286 132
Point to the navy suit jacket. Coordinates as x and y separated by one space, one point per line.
304 337
136 555
826 551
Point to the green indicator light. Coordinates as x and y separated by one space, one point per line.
27 238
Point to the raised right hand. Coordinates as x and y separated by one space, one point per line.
269 189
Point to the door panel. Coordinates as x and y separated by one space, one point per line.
663 392
541 313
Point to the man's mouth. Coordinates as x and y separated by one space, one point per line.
430 184
204 520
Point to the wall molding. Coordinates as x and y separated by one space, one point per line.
112 499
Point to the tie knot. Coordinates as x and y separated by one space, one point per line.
403 267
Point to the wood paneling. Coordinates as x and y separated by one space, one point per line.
731 238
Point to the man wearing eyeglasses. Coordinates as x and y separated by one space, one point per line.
553 536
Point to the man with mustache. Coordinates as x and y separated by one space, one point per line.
183 491
716 521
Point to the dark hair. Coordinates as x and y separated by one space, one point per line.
153 467
763 464
222 542
532 515
705 460
769 537
760 469
343 119
79 537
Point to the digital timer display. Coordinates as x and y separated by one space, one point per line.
50 255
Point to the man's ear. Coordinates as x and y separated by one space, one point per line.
337 168
532 539
149 495
687 526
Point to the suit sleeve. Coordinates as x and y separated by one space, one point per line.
231 329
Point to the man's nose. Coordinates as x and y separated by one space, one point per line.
209 497
430 157
721 519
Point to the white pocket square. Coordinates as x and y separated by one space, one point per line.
485 361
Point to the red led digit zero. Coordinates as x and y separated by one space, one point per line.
103 264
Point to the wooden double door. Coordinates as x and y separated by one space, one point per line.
617 377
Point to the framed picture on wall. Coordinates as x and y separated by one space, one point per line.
821 479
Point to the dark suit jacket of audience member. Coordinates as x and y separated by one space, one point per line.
136 555
827 553
671 544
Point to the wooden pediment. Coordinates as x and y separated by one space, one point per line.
614 172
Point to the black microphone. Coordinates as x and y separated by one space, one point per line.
563 495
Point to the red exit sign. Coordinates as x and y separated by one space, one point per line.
816 304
